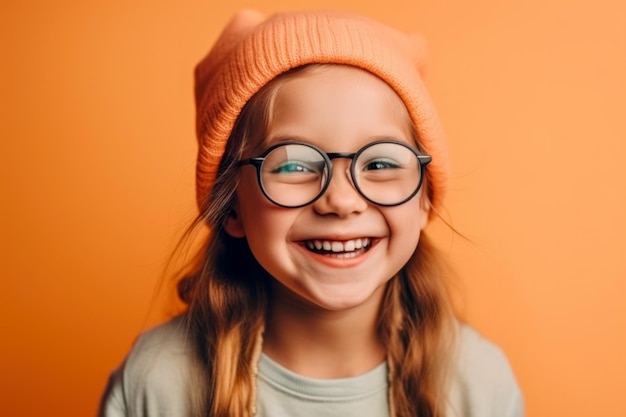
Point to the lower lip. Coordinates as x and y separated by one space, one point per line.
340 262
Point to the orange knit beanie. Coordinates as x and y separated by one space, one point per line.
252 50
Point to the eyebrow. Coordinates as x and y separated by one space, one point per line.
271 140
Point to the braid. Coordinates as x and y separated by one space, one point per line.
226 313
414 325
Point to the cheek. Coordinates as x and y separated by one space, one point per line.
262 221
406 222
249 197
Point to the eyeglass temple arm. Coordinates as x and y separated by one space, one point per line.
256 161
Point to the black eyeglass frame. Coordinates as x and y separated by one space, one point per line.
257 162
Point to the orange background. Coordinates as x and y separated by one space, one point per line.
97 145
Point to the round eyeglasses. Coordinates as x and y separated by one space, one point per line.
295 174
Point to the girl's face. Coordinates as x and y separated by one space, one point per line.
337 109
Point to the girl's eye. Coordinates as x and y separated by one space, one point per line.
292 167
379 164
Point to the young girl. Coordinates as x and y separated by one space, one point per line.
320 162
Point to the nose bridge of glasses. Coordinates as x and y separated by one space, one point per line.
336 155
343 155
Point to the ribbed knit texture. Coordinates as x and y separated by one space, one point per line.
251 51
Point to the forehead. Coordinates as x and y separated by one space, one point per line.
339 102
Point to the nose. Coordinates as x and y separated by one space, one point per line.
341 197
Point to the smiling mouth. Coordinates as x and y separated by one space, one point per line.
344 249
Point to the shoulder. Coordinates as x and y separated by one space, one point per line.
483 382
154 379
160 349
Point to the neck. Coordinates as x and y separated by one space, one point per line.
319 343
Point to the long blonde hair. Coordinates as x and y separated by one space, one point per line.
227 292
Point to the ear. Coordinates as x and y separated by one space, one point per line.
424 211
233 224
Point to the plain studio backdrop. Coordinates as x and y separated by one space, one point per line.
97 165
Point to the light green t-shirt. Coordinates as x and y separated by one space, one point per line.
155 381
285 393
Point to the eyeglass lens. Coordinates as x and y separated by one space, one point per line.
386 173
293 174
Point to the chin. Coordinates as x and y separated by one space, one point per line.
347 299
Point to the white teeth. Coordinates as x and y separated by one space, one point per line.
336 246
